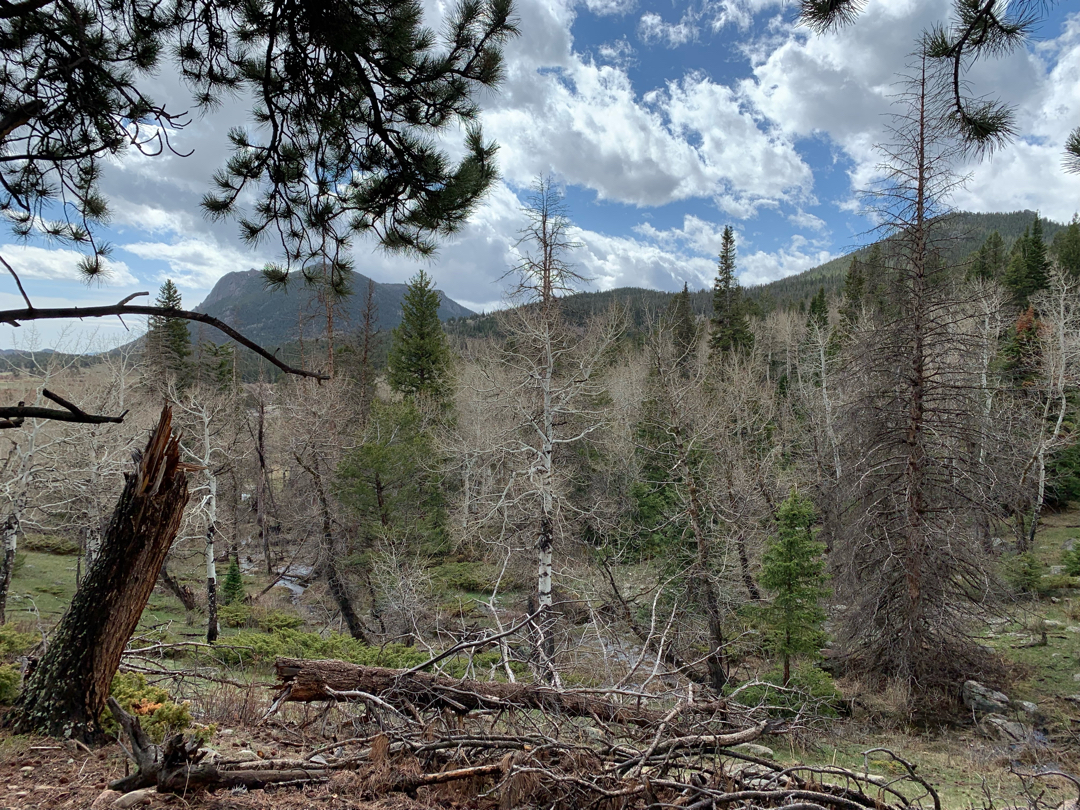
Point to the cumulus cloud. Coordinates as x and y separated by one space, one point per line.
652 30
60 264
607 8
194 263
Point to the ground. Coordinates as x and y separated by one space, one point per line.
969 767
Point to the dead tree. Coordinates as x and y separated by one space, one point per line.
66 691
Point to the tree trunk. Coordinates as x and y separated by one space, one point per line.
10 534
65 694
178 589
211 564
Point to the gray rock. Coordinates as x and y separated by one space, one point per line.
1052 624
983 700
1004 729
1073 628
1027 707
754 750
135 797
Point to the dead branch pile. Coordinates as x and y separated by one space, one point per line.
507 745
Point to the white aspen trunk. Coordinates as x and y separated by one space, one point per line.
211 565
828 405
546 537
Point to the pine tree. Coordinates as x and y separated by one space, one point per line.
854 291
793 569
1028 265
819 310
730 327
232 591
168 342
1066 246
988 263
681 313
419 361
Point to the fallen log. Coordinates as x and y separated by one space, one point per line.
405 690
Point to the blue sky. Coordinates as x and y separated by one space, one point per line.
663 121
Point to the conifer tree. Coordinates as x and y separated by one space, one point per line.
1066 246
681 313
232 591
793 568
819 310
419 361
1028 265
730 327
854 291
168 342
988 263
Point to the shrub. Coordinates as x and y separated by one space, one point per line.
14 643
234 615
1071 561
1023 572
810 690
50 544
9 684
158 714
272 620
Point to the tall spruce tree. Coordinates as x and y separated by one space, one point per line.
419 361
819 310
1028 265
168 342
1066 246
854 291
730 327
793 569
988 263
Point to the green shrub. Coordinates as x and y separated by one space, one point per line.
9 684
158 714
13 643
1023 572
1071 561
50 544
273 620
810 690
234 615
471 577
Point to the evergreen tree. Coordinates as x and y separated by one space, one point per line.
988 263
1066 246
217 364
1028 265
232 591
854 291
168 342
819 310
730 327
681 313
793 569
419 361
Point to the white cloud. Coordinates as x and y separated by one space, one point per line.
652 29
60 264
195 263
610 7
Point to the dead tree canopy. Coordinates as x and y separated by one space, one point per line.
65 694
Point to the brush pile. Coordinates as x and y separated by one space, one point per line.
503 745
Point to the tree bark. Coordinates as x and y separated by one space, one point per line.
9 532
307 681
65 694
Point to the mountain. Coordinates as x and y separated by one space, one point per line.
966 233
272 318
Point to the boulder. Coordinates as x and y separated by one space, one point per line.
983 700
1004 729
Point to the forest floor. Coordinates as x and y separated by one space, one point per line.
970 766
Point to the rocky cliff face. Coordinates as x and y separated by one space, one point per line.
242 300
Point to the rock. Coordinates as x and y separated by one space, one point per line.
1052 624
1027 707
983 700
1054 600
135 797
319 759
1068 804
246 755
1072 628
26 770
1006 730
754 750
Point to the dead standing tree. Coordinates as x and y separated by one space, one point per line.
908 563
65 693
546 375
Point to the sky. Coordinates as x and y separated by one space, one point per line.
661 121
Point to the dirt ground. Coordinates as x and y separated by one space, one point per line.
43 774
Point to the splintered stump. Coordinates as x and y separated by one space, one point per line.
408 691
65 694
